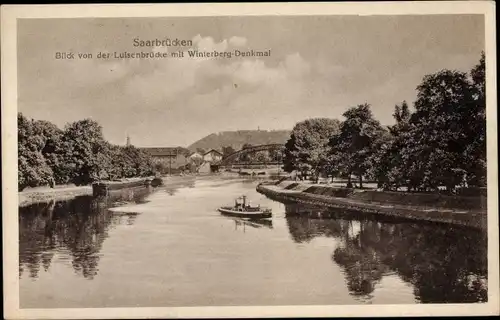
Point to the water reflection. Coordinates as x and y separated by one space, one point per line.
74 228
243 223
440 263
443 263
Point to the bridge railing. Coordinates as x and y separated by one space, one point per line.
266 147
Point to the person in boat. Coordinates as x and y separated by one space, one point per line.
238 206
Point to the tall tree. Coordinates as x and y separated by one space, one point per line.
402 115
290 161
383 159
33 169
389 168
53 150
441 133
85 144
475 152
308 148
79 154
356 141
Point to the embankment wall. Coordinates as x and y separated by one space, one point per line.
468 211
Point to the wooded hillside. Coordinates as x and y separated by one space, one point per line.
236 139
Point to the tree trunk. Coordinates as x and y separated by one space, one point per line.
360 181
349 183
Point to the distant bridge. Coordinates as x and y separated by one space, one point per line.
231 158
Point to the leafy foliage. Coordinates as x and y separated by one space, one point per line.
445 144
307 150
442 143
357 142
33 169
78 154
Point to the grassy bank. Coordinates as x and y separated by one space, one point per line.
45 194
469 211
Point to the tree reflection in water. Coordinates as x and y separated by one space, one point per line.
443 263
75 228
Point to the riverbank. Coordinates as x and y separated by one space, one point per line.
468 211
45 194
67 192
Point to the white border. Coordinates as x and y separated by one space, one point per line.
9 14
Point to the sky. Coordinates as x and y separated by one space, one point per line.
319 67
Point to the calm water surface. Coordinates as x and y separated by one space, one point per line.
170 247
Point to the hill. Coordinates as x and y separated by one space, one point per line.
236 139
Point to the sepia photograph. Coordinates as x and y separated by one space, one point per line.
191 163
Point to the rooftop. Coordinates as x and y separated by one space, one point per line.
162 151
212 150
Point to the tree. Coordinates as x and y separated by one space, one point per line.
475 152
115 170
383 165
130 161
86 148
402 115
53 150
308 148
440 131
275 154
261 156
196 161
33 169
246 157
227 151
356 142
290 161
79 154
389 169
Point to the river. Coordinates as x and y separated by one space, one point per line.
170 247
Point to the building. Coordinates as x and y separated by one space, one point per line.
207 167
168 160
195 156
212 156
204 168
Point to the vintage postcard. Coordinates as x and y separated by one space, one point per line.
249 160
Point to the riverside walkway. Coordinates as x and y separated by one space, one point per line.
475 217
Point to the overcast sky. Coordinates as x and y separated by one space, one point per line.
319 66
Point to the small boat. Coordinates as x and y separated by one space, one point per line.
156 182
243 210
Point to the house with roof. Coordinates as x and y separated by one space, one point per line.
210 162
212 156
170 159
195 156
